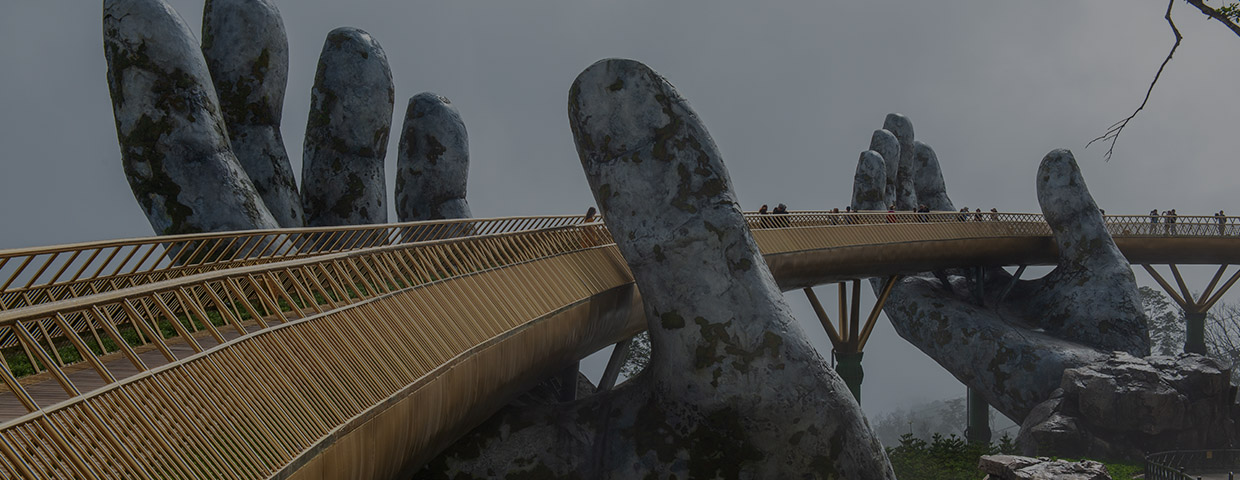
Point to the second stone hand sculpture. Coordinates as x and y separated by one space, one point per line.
1062 352
733 388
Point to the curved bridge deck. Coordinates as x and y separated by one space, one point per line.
364 359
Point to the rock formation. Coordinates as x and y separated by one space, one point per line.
432 166
1158 401
246 51
174 144
1012 467
1015 348
347 134
733 389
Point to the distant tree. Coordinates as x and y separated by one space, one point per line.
639 356
1164 320
1223 335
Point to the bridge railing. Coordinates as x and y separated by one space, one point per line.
1188 464
324 339
30 276
47 274
207 309
1020 223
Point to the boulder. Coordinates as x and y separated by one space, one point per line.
1013 467
347 133
1123 406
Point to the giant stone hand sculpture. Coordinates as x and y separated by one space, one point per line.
199 129
733 389
1084 317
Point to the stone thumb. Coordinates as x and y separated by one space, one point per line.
1073 216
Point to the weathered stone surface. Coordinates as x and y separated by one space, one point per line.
931 190
871 174
174 144
347 133
887 146
906 190
246 51
1013 467
432 169
1123 406
988 349
1084 318
733 388
1091 297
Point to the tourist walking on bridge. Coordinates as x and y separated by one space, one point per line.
1171 221
1154 221
1221 218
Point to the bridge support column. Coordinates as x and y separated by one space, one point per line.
618 355
568 383
848 366
1194 332
978 430
1195 309
850 338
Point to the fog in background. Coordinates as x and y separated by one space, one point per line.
790 90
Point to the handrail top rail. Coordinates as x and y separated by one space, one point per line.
45 249
44 310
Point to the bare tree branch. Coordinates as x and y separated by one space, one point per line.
1113 132
1226 16
1215 14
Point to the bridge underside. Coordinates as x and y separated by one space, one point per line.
807 268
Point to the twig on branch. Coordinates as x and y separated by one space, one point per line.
1113 132
1215 14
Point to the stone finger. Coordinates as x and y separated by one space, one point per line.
928 181
906 190
246 51
869 182
347 133
887 146
174 143
721 333
432 166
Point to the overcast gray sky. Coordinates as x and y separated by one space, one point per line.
790 91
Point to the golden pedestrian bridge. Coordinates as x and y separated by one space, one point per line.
361 352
